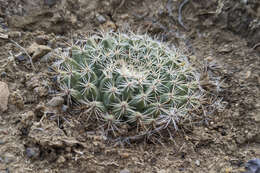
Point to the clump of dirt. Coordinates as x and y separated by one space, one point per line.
38 137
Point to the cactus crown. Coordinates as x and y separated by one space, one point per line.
128 78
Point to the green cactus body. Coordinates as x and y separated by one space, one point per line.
133 78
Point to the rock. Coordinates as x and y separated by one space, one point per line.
38 51
3 74
64 108
55 101
101 19
124 155
125 171
14 34
21 56
225 49
3 36
197 162
4 95
32 152
61 160
253 166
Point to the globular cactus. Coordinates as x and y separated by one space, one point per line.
128 78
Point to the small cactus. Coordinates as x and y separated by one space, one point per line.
128 78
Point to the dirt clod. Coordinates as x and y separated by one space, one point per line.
38 51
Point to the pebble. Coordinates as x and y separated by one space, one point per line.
125 171
38 51
4 95
61 159
64 108
253 166
32 152
20 57
101 19
3 36
14 34
124 155
3 74
197 162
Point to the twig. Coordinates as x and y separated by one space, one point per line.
30 58
256 45
179 13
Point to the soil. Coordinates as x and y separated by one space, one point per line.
35 137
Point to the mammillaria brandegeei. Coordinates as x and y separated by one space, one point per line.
129 78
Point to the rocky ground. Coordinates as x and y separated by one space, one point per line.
36 136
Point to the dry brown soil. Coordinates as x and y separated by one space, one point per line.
225 31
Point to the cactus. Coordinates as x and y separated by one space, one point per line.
128 78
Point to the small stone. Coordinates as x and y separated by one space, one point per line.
125 171
253 166
225 49
101 19
3 36
20 57
197 162
4 95
55 101
64 108
38 51
32 152
14 34
61 159
3 74
124 155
